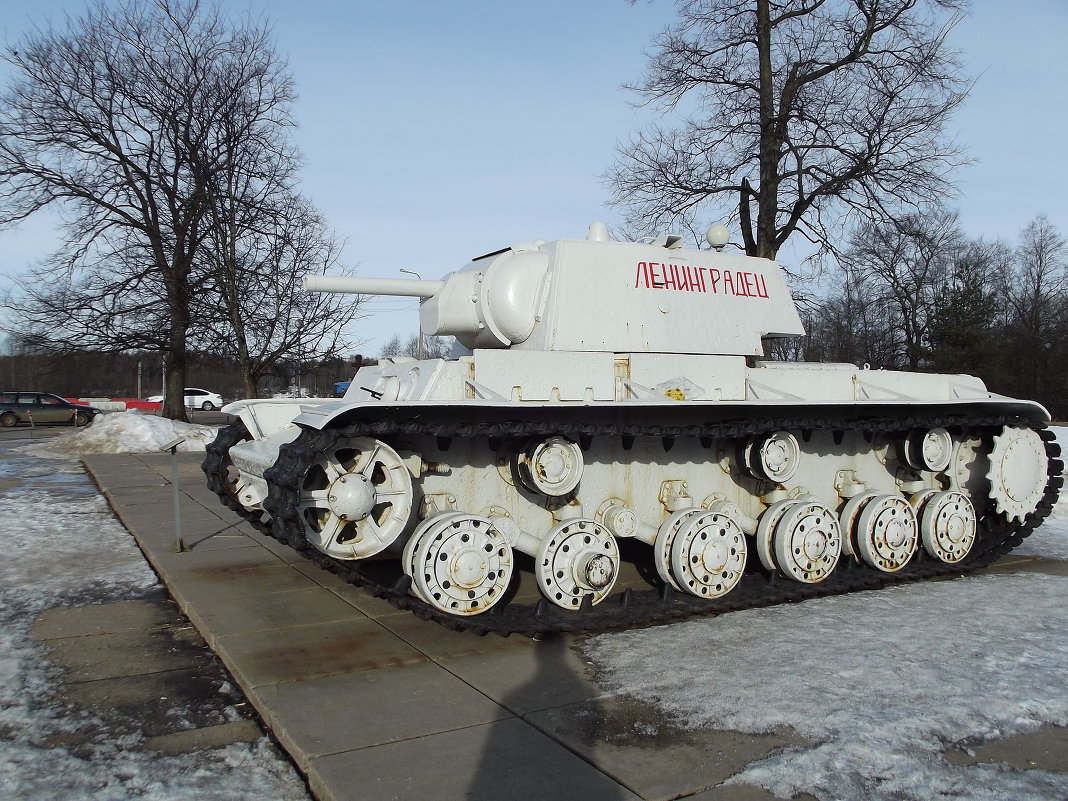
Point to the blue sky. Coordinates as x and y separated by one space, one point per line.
437 131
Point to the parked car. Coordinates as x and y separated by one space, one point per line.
42 407
196 398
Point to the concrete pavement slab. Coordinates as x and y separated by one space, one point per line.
152 519
110 680
492 762
376 707
148 700
197 589
201 561
116 477
1027 564
302 652
374 608
192 740
633 743
546 674
438 642
221 540
128 653
276 611
110 618
287 554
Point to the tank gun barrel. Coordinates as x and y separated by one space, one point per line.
402 287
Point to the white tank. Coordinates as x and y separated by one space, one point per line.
613 450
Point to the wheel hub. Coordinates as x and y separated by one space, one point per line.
351 497
815 545
577 559
469 567
896 534
714 556
597 570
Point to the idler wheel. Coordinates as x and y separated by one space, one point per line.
708 555
458 563
577 558
356 499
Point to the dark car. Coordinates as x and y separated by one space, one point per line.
42 407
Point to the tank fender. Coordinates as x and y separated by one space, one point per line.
264 417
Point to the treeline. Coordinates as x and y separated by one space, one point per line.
918 294
115 375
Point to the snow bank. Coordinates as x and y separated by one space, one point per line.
128 432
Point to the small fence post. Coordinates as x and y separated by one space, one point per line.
179 543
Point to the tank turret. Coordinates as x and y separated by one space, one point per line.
599 295
610 452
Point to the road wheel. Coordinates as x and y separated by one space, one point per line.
207 406
7 419
82 418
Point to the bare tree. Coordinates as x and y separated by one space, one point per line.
121 122
259 266
1038 293
908 261
793 114
852 324
433 347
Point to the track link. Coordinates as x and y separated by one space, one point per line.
631 608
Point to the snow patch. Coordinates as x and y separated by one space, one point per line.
885 681
127 432
62 546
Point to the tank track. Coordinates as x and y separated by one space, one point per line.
995 535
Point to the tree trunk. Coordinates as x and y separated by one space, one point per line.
767 192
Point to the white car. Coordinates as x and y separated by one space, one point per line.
196 398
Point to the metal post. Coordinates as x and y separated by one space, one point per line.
179 543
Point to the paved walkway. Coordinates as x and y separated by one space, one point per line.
372 703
